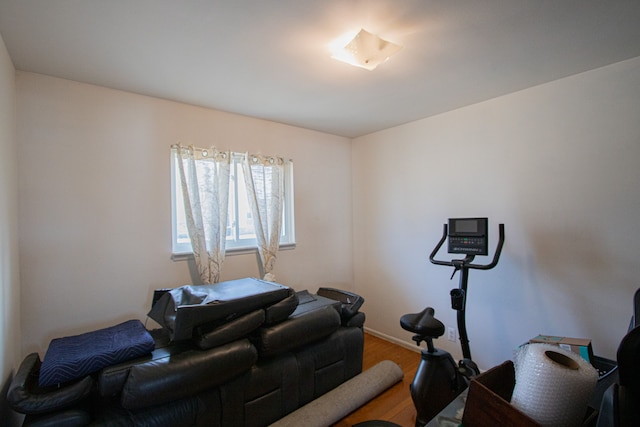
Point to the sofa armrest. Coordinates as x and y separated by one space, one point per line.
27 397
357 320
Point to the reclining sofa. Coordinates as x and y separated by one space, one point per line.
239 353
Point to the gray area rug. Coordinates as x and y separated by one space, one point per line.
344 399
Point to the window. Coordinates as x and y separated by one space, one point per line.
240 232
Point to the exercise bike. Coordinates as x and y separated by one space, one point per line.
438 379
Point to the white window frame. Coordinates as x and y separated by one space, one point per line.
182 250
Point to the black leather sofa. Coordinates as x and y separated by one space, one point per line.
249 366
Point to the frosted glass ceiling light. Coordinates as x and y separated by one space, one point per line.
366 50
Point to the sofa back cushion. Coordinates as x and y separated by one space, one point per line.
185 374
297 331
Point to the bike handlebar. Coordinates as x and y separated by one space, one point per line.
457 263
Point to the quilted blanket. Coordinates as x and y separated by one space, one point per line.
74 357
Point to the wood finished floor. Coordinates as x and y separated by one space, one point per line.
395 403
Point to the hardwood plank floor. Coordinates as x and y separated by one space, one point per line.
395 403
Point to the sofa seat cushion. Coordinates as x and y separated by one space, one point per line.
281 310
185 374
74 357
73 417
112 379
297 331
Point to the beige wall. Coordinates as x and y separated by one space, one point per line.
95 202
558 164
9 277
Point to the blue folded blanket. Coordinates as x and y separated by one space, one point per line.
71 358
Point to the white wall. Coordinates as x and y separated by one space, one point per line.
558 164
94 191
9 277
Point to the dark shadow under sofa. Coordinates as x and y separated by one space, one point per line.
238 353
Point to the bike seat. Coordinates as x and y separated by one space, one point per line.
423 323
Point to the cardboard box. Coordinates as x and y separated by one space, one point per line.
488 400
581 346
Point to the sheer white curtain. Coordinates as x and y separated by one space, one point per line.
204 179
264 178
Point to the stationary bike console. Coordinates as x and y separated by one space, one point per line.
438 379
468 236
475 230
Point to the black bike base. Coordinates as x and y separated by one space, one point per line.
437 371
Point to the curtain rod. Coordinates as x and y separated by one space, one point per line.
180 145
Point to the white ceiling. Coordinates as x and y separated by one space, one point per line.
269 58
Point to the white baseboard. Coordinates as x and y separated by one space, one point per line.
401 343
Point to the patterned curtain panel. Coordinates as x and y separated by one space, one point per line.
264 178
204 178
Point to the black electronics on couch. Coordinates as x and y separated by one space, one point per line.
351 302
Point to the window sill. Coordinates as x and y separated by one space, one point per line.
231 251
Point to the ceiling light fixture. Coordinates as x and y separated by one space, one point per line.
365 50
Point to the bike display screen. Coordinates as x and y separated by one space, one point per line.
468 236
